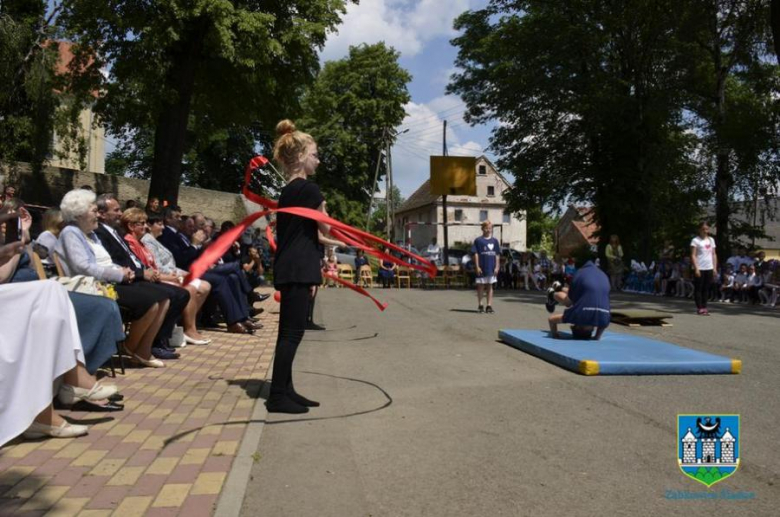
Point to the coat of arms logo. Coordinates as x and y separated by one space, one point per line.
708 446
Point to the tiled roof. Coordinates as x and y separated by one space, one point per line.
421 197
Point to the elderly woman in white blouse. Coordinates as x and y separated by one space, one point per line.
81 253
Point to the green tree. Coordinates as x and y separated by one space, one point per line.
587 95
730 87
378 223
350 110
34 100
224 65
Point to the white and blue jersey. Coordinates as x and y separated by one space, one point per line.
488 249
589 294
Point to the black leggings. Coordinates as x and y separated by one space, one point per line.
293 311
701 288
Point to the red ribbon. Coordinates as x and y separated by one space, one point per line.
350 235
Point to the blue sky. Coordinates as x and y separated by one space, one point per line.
421 31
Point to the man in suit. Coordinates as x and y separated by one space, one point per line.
186 245
109 215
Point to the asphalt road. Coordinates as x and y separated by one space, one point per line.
425 413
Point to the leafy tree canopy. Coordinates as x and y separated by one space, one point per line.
350 110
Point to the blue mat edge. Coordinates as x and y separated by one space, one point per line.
723 366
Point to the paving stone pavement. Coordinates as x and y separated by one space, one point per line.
168 453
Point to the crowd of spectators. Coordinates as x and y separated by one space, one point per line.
99 281
746 277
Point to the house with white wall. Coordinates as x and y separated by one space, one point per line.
420 218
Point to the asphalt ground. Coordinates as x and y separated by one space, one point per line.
425 413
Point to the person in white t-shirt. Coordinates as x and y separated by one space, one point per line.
705 262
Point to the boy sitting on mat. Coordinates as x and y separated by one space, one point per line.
587 302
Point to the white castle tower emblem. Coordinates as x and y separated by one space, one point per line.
708 453
708 446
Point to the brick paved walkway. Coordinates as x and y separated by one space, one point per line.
168 453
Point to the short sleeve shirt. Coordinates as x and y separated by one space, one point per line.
704 249
487 249
298 256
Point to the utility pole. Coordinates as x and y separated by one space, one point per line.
444 204
376 177
389 212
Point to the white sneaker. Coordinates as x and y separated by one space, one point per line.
65 430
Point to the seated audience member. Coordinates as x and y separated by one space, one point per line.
52 223
109 217
769 293
387 271
134 223
130 203
736 261
153 208
9 192
755 283
99 322
331 265
41 344
741 284
727 285
253 267
587 303
685 289
82 253
360 259
186 246
540 278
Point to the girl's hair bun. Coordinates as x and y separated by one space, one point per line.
285 127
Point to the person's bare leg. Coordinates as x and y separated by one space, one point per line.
79 377
479 294
599 332
144 349
190 314
138 329
49 417
562 297
554 320
490 295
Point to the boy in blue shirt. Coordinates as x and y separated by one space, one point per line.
586 302
486 250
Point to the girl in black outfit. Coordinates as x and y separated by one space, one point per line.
297 261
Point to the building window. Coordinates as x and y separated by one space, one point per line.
483 215
491 191
507 218
458 215
482 170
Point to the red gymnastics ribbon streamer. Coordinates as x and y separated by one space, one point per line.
353 236
350 235
382 306
356 288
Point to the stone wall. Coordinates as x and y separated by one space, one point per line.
48 187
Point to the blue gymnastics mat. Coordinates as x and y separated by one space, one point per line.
618 354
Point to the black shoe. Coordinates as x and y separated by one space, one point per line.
162 353
481 309
300 399
313 326
489 309
85 405
282 404
551 303
255 312
254 297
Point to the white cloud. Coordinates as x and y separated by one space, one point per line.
405 25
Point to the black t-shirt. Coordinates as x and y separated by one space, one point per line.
297 259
